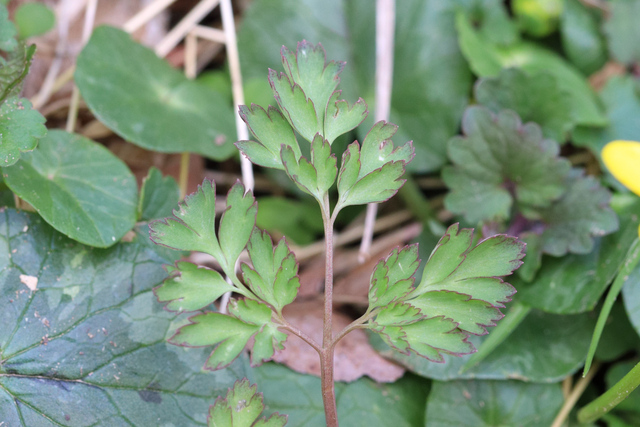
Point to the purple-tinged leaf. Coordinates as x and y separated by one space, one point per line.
294 104
340 118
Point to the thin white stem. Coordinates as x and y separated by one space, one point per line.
236 85
183 27
208 33
385 28
89 19
145 15
50 81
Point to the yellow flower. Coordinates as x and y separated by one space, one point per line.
622 158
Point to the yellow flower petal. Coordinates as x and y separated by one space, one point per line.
622 158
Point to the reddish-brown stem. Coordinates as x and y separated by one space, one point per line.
326 356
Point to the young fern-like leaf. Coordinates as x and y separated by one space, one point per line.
241 407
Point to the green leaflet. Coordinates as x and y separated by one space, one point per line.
7 31
241 407
372 173
274 276
33 19
341 118
272 131
192 227
231 333
299 110
460 293
190 288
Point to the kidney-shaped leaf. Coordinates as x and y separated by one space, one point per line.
83 341
78 186
141 98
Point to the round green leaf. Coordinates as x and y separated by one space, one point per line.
492 403
33 19
141 98
77 186
86 343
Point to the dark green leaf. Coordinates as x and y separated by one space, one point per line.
158 196
373 173
241 408
20 129
272 131
544 348
143 99
622 30
362 402
536 98
492 403
274 276
581 214
33 19
192 227
190 288
621 98
487 60
581 37
7 31
500 162
14 69
575 283
88 345
78 186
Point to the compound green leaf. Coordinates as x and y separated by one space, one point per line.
272 131
14 69
192 227
190 288
581 36
373 173
492 403
393 277
299 110
622 32
274 276
543 348
20 129
7 31
535 98
158 196
241 408
362 402
301 171
33 19
308 68
500 162
581 214
146 101
487 59
86 343
77 186
574 283
340 118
